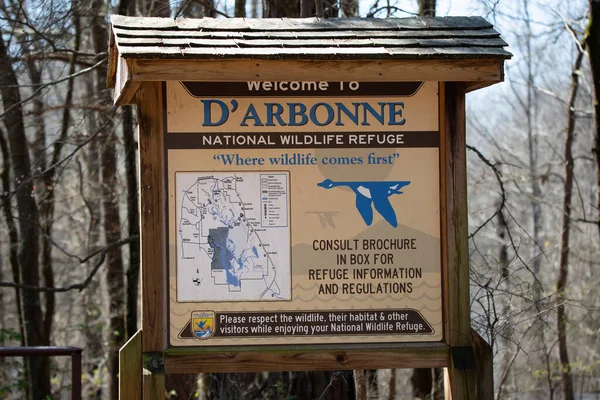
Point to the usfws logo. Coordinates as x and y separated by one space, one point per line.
203 324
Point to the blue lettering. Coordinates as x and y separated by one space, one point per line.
342 109
227 158
297 109
396 111
251 114
371 110
274 110
208 115
313 114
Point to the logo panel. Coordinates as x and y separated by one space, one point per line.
203 324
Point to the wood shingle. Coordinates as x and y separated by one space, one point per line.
450 40
311 38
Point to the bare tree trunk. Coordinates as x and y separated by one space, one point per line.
2 319
422 383
13 234
372 383
536 208
38 368
349 8
438 384
2 309
508 358
532 143
563 268
93 328
209 9
114 264
593 44
47 203
110 206
127 7
360 384
133 216
155 8
306 8
254 5
93 317
319 9
427 8
240 8
392 385
39 155
13 240
280 9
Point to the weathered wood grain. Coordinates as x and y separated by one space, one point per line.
409 357
460 384
333 70
459 319
276 24
394 39
129 45
476 72
484 358
154 387
407 34
152 217
113 60
130 368
472 86
125 88
444 206
159 52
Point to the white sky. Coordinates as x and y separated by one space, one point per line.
444 7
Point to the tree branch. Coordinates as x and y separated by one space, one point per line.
45 85
101 253
498 175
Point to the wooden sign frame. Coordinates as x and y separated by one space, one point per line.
466 357
455 273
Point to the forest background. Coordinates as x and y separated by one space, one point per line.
69 233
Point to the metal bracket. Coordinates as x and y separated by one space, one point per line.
463 357
153 363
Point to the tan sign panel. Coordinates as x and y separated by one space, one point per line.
303 212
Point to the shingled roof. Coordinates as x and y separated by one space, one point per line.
143 49
311 38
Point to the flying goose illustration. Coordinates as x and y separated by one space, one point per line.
375 193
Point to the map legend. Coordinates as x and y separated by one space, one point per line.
274 200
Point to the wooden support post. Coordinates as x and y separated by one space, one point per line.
460 379
484 359
130 368
153 257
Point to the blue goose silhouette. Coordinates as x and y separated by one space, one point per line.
201 324
370 194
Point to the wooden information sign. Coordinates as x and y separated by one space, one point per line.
303 193
309 215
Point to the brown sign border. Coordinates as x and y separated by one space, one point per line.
185 141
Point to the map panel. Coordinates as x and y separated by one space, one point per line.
233 241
